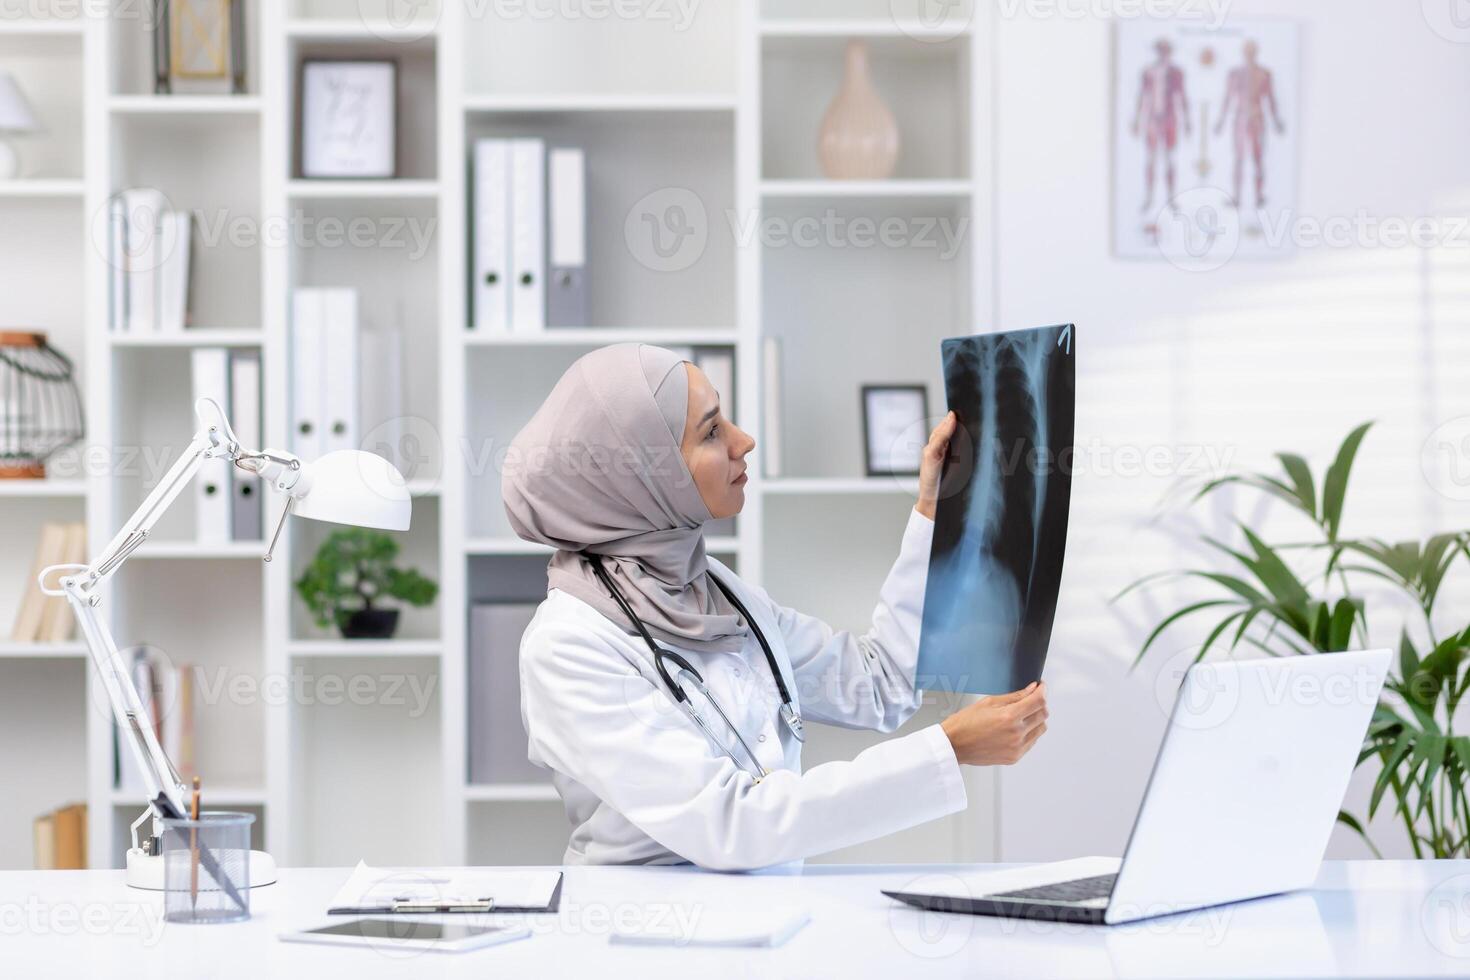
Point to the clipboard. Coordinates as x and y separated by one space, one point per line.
421 891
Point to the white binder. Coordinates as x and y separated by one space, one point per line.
306 374
143 209
339 370
566 221
491 234
245 513
528 234
212 489
380 396
173 271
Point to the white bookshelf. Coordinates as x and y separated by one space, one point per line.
727 107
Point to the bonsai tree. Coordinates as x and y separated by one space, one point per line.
353 571
1257 597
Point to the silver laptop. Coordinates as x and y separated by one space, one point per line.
1242 799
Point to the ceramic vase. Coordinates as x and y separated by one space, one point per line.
859 138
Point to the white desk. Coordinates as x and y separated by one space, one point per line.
1364 919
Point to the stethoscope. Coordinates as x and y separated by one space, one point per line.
686 673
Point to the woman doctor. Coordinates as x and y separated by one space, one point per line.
673 733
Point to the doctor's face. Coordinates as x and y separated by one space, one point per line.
714 448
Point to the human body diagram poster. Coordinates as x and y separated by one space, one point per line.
1205 135
1000 527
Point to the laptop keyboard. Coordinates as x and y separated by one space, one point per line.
1076 890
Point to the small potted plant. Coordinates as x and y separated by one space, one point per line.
352 572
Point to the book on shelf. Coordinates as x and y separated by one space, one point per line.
497 740
380 399
41 618
149 255
59 839
529 236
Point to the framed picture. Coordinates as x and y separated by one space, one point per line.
349 118
893 428
198 40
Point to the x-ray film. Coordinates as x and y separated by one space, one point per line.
1000 528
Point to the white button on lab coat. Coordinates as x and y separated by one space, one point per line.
643 785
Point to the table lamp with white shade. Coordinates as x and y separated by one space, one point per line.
15 117
343 487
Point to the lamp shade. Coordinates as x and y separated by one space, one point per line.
15 112
353 487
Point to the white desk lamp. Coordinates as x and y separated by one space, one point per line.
15 117
344 487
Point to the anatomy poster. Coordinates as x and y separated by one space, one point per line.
1000 528
1205 135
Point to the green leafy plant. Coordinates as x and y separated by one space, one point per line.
353 570
1259 600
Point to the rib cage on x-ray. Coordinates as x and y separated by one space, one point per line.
1000 528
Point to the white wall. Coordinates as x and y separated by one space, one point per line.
1253 358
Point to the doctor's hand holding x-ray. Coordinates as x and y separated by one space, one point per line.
666 695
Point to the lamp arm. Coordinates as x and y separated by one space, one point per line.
159 775
214 440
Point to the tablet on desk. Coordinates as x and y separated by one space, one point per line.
408 933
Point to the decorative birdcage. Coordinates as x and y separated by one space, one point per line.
40 406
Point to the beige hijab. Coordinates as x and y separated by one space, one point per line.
599 468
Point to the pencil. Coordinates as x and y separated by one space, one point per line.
194 847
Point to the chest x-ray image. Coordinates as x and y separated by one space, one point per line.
1000 528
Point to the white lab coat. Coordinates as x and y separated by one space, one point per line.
643 785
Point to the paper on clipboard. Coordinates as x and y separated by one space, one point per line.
406 890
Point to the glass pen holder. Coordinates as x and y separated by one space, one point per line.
206 868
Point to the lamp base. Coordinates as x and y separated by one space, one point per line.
9 161
145 870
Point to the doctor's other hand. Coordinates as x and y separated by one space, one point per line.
932 466
997 731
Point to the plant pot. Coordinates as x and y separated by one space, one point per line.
370 624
